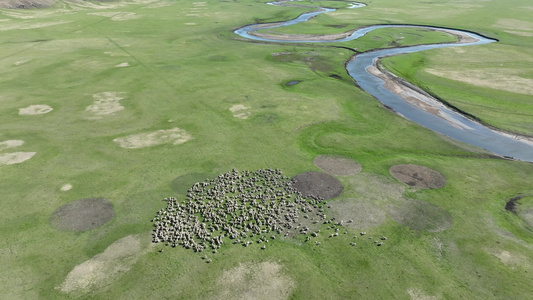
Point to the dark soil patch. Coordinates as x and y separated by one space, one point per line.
337 26
337 165
317 185
418 176
83 214
420 215
511 204
25 4
522 206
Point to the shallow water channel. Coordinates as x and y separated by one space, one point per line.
438 118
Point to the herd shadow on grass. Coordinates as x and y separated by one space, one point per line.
257 207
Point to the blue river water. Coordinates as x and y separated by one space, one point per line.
447 121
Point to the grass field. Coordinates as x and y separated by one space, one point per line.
149 97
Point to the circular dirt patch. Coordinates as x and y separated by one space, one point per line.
420 215
174 136
337 165
83 214
418 176
317 185
38 109
357 213
264 280
15 157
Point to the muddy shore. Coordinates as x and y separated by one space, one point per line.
302 37
462 37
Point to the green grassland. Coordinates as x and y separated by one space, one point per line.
505 102
187 69
510 109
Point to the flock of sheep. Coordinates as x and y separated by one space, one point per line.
245 207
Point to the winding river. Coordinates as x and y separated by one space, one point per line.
406 101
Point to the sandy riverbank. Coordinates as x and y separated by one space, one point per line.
462 37
424 101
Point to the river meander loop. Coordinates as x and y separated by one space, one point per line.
424 109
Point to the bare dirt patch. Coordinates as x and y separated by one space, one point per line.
159 4
514 24
106 266
437 244
337 165
317 185
302 37
114 54
66 187
357 213
419 215
38 109
15 157
505 79
83 214
381 189
521 33
25 4
21 62
255 281
418 176
174 136
31 25
240 111
105 103
416 294
10 144
424 12
510 259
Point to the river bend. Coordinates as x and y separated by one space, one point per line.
424 110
